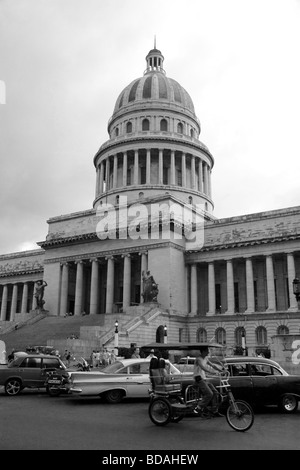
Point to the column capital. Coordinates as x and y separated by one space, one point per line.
143 253
64 263
110 257
126 255
93 259
79 261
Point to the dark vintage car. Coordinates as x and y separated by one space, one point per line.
263 382
28 371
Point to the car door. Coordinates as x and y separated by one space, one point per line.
137 381
30 371
241 381
265 384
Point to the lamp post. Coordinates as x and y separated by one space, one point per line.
165 334
116 337
296 288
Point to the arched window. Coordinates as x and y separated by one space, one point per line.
129 127
283 330
261 335
239 333
163 125
145 125
180 128
117 131
201 335
160 334
206 206
220 336
192 132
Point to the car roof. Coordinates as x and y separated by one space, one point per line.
253 359
182 346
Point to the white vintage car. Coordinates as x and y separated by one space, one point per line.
127 378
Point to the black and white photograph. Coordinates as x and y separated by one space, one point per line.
150 228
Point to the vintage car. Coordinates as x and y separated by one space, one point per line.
263 382
28 371
127 378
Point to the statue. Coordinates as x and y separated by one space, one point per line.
39 294
150 288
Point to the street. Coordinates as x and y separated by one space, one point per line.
35 421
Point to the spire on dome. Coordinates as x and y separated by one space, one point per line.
154 60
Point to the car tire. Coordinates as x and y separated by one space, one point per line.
13 387
288 404
113 396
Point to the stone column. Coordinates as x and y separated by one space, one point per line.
110 284
211 289
125 169
136 167
172 167
126 281
94 287
78 288
24 298
249 287
97 181
148 166
209 182
101 178
230 287
64 289
115 172
193 172
194 290
13 309
291 272
107 174
4 302
200 176
205 179
160 166
183 169
144 267
270 284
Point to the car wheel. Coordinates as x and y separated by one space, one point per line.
13 387
114 396
288 404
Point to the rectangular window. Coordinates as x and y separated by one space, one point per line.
218 298
236 297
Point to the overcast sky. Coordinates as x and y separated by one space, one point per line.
63 64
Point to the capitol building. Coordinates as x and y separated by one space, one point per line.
227 280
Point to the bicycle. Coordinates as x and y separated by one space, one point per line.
169 404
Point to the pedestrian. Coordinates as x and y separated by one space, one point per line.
151 355
209 393
136 353
11 356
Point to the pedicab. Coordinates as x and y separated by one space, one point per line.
172 402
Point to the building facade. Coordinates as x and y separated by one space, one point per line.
228 280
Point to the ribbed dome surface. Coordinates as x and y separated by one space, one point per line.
154 86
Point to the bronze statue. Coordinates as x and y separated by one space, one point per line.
150 288
39 294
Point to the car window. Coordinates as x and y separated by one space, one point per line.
264 370
238 370
50 363
136 368
32 362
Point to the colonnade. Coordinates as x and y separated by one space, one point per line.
243 282
153 166
96 278
17 297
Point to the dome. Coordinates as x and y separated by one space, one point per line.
154 86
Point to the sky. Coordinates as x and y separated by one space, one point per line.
63 64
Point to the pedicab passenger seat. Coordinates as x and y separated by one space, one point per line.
161 381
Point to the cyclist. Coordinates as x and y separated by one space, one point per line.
208 391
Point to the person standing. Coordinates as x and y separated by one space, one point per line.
136 353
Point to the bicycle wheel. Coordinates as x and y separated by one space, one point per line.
160 411
240 416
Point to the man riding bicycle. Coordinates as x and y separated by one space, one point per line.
208 391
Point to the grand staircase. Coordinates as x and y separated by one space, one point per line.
82 334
